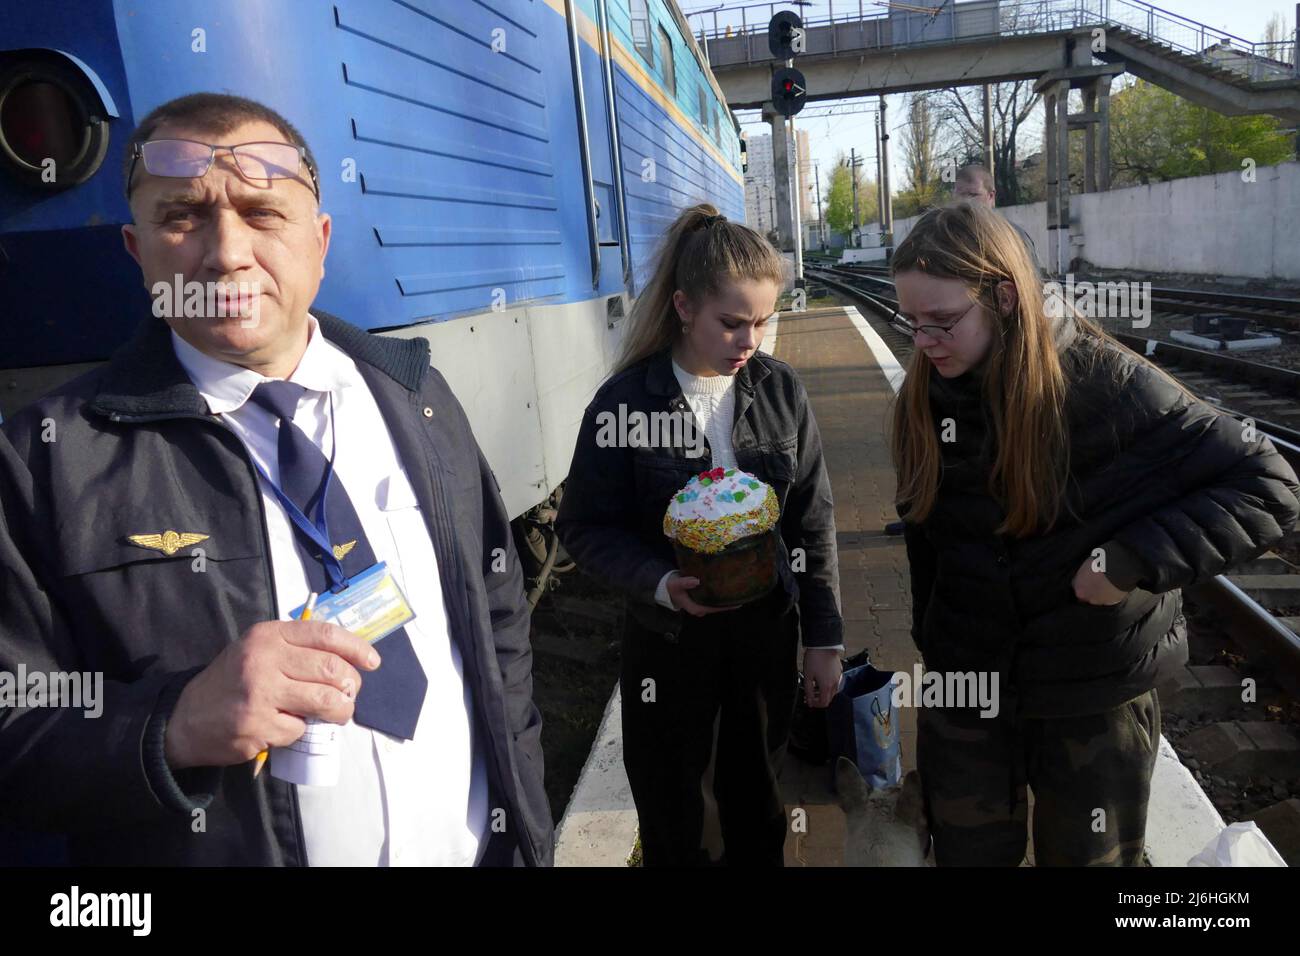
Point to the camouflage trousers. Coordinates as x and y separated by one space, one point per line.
1090 777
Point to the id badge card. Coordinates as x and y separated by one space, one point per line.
372 606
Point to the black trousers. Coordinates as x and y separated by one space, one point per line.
705 722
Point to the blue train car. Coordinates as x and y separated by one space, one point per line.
498 173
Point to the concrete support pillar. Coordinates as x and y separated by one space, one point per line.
1063 173
1050 176
1056 104
1103 133
781 175
1090 140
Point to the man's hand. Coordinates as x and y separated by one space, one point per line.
821 676
1093 587
679 587
258 691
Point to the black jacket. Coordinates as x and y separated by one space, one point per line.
136 451
1166 487
611 517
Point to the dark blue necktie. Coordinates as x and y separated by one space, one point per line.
391 697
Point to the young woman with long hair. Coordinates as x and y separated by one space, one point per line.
707 693
1058 491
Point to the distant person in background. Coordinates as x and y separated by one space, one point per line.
975 184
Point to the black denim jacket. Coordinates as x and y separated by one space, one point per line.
611 517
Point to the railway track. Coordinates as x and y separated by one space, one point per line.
1265 310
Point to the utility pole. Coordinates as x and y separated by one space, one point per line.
797 197
888 207
854 162
853 179
988 131
821 218
880 185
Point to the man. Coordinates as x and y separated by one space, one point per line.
975 184
165 516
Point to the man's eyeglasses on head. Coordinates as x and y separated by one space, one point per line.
943 332
188 159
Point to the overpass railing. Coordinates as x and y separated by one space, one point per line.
737 33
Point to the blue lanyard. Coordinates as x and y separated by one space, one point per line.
316 531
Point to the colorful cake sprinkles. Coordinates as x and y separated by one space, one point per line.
718 508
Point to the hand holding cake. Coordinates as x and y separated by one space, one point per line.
722 524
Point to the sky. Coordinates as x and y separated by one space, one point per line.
829 137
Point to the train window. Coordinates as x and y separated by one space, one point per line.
50 135
704 109
666 54
641 30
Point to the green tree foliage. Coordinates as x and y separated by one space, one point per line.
839 199
1157 135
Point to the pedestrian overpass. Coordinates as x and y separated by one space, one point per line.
1058 44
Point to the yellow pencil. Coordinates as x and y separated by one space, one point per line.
260 759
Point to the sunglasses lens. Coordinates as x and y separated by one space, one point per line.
267 160
175 157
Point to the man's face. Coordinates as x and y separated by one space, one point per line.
971 190
223 228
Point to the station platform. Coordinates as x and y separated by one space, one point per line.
849 386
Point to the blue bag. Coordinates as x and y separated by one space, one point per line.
863 724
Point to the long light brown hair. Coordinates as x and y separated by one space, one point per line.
1025 386
700 250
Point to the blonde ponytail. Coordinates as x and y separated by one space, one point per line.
700 250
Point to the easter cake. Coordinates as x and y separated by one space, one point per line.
723 525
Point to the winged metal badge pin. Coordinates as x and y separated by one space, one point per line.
341 550
169 542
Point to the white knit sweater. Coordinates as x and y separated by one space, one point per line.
713 400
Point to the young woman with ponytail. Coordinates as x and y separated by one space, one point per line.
1058 491
707 693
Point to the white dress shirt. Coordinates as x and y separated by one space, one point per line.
420 802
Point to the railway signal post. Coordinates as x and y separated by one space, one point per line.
785 38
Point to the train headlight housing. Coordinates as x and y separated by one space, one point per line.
52 133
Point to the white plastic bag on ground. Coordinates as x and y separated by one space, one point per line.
1239 844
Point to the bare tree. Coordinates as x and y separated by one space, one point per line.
921 145
1012 104
1278 39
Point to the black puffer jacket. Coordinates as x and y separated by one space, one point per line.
1167 487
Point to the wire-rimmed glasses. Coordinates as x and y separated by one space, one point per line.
190 159
900 322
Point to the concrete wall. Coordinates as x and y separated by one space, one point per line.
1209 225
